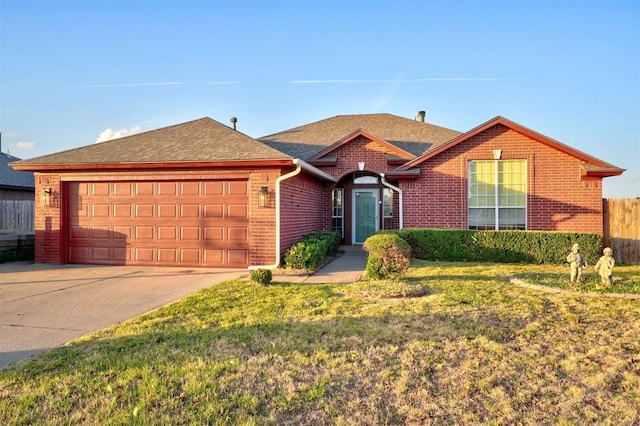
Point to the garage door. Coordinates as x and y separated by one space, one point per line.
177 223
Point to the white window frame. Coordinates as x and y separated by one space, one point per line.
333 210
496 207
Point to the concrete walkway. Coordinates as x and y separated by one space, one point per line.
346 268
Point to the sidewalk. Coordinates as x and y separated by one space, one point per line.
346 268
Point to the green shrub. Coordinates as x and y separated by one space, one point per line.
313 250
389 255
456 245
261 276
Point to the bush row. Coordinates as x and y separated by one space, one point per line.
456 245
313 250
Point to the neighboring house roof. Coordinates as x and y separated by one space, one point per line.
591 165
412 136
13 179
199 141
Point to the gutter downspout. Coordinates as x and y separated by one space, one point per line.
399 191
299 166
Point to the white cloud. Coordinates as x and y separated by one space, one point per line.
25 145
108 134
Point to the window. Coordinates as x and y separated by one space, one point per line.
337 208
498 194
387 208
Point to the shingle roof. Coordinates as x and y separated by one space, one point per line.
13 179
201 140
409 135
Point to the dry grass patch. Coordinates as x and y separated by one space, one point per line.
474 349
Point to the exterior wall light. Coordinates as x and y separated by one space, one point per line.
46 197
262 196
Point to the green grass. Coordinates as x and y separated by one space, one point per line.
472 349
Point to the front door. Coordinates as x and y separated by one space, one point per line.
365 214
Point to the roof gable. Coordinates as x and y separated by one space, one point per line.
592 166
408 135
361 132
202 140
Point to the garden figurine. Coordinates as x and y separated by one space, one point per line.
605 267
577 263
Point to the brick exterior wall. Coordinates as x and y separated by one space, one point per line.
303 208
559 198
48 216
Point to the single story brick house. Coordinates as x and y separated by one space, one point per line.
203 194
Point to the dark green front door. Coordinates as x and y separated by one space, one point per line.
365 214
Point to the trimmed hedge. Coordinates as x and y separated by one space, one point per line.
389 255
459 245
313 250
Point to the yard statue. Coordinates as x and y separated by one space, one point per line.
577 263
605 267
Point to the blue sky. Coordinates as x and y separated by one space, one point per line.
74 72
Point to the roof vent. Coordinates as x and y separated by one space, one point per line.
421 115
233 120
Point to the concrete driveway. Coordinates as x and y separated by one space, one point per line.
45 306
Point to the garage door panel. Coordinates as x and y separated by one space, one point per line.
121 210
238 211
191 233
190 210
167 210
143 188
99 188
144 210
237 188
167 233
213 210
144 232
189 188
121 254
238 257
195 223
122 188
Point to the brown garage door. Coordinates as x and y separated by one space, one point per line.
172 223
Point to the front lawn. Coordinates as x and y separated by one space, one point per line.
451 343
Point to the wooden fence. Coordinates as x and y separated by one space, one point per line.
622 229
16 215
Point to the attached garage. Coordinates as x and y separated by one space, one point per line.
169 223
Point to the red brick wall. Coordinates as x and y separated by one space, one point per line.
559 198
303 201
359 149
47 224
262 222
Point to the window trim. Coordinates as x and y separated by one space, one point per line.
333 210
496 195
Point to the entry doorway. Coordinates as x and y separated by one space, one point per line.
365 214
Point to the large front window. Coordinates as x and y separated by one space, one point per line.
498 194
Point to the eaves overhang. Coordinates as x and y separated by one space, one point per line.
175 165
593 171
